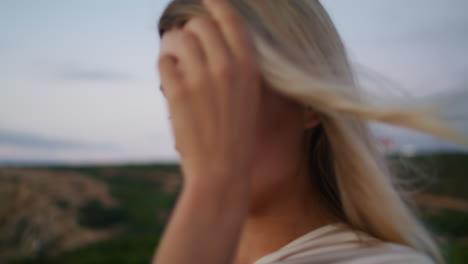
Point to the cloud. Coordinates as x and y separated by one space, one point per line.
25 140
76 73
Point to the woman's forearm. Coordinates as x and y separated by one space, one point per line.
213 87
205 226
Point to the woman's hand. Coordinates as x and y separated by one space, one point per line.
211 82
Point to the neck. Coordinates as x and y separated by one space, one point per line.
294 211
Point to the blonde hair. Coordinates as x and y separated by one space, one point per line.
302 56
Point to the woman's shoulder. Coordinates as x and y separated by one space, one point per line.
337 243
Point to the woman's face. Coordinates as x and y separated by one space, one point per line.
279 144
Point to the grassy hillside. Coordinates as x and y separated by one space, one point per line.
139 191
146 194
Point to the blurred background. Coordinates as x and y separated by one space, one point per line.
88 173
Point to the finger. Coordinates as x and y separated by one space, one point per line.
170 75
217 54
190 55
212 40
233 28
172 83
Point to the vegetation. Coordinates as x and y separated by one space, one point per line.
449 223
96 216
142 200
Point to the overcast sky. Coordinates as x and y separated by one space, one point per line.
78 79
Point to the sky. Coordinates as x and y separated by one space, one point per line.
78 79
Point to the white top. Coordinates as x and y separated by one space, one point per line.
339 244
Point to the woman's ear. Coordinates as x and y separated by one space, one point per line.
311 117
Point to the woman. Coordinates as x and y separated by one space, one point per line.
278 162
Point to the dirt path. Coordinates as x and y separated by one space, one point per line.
441 202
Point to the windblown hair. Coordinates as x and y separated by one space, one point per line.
302 56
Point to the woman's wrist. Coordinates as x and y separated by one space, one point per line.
223 206
206 222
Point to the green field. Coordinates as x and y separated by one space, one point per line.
141 199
